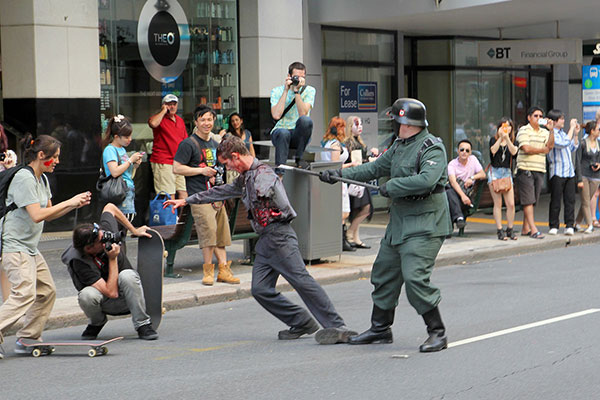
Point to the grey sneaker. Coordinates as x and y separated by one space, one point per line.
20 349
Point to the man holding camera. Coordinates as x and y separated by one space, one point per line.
196 159
290 107
106 282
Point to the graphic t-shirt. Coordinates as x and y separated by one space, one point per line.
188 154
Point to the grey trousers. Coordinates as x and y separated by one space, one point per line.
131 300
277 253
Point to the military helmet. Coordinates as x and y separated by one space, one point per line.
409 111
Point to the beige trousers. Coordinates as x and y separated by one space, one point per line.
588 190
32 294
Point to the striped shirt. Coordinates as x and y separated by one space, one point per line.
536 139
560 158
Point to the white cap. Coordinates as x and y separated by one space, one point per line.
169 98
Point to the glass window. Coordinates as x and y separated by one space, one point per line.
332 75
358 46
434 90
465 52
434 52
209 76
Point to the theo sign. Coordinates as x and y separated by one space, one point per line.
529 52
163 39
358 96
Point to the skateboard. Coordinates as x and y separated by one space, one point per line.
97 347
151 265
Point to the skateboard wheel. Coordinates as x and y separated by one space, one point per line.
52 349
36 353
92 352
104 350
165 254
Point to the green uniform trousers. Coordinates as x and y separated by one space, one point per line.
409 263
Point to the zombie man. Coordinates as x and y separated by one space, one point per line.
277 251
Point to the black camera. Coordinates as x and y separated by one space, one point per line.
295 80
2 156
110 238
219 176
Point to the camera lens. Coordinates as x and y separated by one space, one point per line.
295 80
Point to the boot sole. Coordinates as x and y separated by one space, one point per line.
433 350
333 336
378 341
230 282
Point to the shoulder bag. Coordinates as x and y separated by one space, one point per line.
111 189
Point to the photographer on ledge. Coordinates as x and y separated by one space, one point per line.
290 107
106 282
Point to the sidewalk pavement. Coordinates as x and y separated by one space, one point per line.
478 244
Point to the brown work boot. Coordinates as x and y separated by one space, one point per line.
209 274
225 274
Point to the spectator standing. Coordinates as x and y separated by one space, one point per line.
294 127
463 171
534 143
562 172
588 173
117 163
32 291
333 139
196 159
361 206
502 151
168 130
235 126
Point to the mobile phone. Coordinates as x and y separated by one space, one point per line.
543 121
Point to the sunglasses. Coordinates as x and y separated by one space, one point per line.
464 149
537 115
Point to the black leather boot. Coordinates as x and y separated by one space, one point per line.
380 331
437 332
346 246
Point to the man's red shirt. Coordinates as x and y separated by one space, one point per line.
167 137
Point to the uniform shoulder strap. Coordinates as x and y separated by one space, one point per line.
427 143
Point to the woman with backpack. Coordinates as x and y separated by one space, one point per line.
32 291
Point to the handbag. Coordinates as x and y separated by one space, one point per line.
111 189
502 185
355 190
160 215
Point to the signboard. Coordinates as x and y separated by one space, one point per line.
163 39
590 91
529 52
358 97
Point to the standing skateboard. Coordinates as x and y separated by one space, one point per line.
151 265
97 347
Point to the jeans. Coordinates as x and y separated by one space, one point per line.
131 300
297 138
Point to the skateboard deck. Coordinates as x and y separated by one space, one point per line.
151 265
96 347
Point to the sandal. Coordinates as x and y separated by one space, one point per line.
596 224
511 234
501 234
525 234
537 235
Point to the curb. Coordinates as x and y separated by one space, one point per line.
67 313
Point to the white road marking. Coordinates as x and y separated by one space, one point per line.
523 327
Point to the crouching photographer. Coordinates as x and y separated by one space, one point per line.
103 275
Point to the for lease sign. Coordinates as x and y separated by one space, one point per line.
358 96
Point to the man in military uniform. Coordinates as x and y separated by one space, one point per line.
419 222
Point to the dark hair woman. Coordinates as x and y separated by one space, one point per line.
502 151
117 163
236 127
32 287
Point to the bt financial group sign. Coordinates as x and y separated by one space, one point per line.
529 52
358 97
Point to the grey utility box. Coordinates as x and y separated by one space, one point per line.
319 208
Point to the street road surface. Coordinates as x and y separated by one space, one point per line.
540 312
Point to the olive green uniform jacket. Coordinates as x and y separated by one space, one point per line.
417 228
